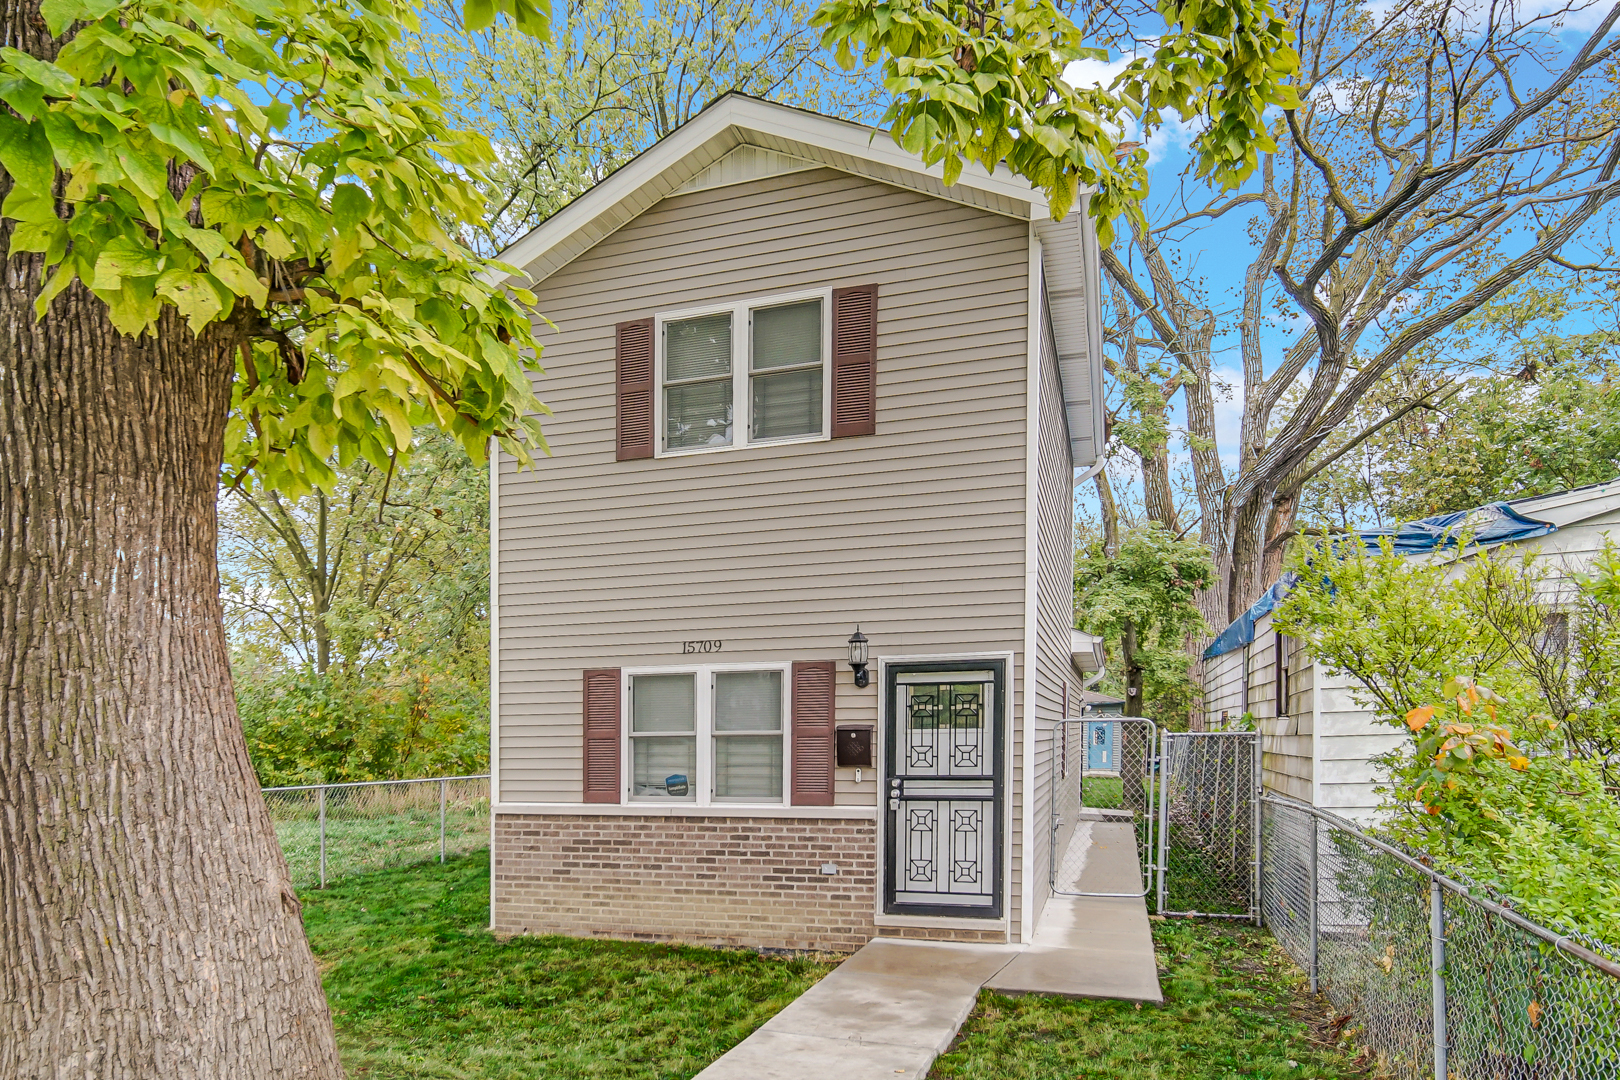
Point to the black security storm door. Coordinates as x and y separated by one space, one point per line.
943 789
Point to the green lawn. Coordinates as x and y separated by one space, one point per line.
1103 792
420 990
1235 1007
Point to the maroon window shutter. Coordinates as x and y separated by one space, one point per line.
602 735
633 342
813 732
854 361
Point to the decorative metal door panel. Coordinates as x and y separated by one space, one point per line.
943 788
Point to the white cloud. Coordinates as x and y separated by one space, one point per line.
1169 140
1084 73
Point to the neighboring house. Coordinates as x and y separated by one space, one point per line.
1320 745
799 386
1093 703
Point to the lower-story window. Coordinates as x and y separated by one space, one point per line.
708 735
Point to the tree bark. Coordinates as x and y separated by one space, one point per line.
1133 741
1109 513
148 926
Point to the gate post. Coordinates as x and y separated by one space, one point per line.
1437 967
321 794
1164 813
1315 923
1256 787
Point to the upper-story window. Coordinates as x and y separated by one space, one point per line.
748 373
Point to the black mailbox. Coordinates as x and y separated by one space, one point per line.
855 747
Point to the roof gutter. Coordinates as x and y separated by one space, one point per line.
1092 472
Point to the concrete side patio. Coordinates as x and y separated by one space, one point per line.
892 1008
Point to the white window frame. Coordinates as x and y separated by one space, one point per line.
703 730
742 398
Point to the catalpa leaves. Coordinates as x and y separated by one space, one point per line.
272 165
983 82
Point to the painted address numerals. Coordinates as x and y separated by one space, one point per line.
700 646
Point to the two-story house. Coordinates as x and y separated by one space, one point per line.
800 386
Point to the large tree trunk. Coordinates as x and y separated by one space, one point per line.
148 927
147 924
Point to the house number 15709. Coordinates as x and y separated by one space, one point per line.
700 646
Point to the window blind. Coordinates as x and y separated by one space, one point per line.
748 735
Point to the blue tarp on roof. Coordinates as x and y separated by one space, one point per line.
1485 526
1493 523
1241 632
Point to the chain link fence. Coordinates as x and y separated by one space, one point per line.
1209 821
1103 770
1431 975
328 831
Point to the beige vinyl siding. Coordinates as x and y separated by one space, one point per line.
1285 750
915 533
1223 689
1286 738
1054 606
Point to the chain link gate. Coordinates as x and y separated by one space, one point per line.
1209 824
1103 770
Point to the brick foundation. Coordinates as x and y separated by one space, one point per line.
738 881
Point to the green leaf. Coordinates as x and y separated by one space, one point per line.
50 78
58 14
478 15
193 294
185 143
350 207
124 258
149 172
240 280
25 150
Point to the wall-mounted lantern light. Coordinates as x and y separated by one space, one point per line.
857 657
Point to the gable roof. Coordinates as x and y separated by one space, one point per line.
738 138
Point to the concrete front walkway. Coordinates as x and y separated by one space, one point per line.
888 1011
1091 946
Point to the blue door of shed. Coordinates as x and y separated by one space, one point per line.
1100 746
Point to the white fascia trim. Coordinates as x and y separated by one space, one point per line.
1092 268
720 810
1032 583
811 129
494 648
620 185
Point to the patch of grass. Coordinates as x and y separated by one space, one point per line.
1104 792
362 845
1235 1006
371 828
420 989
